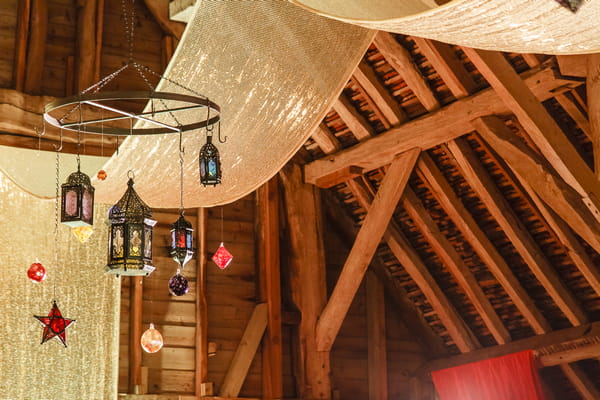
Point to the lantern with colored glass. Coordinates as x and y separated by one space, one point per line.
130 235
77 205
182 248
210 164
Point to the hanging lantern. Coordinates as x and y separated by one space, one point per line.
77 205
130 235
210 164
182 248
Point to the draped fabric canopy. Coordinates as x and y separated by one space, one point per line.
532 26
513 377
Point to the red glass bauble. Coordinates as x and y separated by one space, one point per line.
222 257
36 272
101 175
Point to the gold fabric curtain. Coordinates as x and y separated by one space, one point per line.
88 368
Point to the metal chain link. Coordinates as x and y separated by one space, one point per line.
55 277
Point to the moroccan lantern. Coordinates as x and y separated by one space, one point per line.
210 164
130 235
77 202
182 248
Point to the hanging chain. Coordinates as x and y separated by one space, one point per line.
222 224
56 201
181 153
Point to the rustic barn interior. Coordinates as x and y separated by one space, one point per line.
444 211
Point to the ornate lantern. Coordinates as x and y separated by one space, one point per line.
77 205
130 235
210 164
182 244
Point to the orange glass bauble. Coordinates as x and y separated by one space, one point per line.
152 340
101 175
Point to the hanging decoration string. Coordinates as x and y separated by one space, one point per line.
181 154
56 205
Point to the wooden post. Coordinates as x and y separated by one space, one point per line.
307 278
37 46
201 385
99 34
22 33
270 287
593 96
135 333
86 43
377 351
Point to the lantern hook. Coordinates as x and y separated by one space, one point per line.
130 174
60 146
224 140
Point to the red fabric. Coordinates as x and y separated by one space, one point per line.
511 377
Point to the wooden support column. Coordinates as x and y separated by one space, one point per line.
364 247
22 35
593 98
201 384
86 43
99 34
307 278
377 350
267 198
135 333
37 46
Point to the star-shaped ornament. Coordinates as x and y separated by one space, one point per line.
54 325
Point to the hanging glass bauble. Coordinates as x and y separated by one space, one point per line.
83 233
101 175
36 272
152 340
178 284
222 257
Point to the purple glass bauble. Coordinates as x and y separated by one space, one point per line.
178 285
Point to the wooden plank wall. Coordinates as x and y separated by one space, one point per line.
8 26
349 357
231 297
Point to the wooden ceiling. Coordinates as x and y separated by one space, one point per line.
496 237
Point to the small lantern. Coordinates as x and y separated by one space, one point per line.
130 235
210 164
182 248
77 203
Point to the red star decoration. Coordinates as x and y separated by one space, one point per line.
54 325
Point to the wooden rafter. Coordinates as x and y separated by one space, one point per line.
399 58
552 348
357 124
480 243
562 198
36 50
22 35
582 383
571 107
367 79
325 139
441 126
456 265
478 178
86 43
160 11
593 95
540 126
452 71
364 248
414 266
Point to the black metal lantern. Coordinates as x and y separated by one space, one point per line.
210 164
77 205
182 244
130 235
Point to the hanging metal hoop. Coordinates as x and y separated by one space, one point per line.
102 100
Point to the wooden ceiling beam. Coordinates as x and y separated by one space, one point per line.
400 59
21 39
36 50
414 266
325 139
583 384
367 79
593 98
455 265
364 248
86 43
433 129
533 168
580 341
357 124
463 220
574 112
160 11
539 125
478 178
451 69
